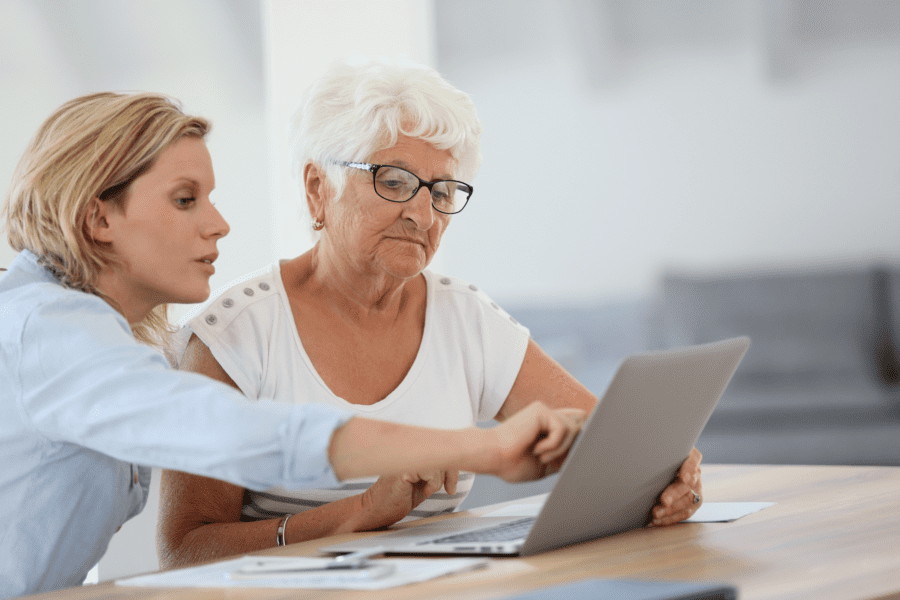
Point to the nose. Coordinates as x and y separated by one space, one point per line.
214 225
418 209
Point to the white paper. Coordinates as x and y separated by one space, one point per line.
722 512
709 512
217 575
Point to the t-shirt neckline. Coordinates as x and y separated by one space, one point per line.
408 380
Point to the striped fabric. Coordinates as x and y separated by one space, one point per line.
279 502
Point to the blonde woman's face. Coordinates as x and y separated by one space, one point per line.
166 235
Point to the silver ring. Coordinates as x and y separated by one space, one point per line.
696 498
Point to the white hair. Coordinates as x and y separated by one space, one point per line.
361 105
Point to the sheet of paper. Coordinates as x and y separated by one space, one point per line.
709 512
219 575
722 512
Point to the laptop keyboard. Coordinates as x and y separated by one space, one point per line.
499 533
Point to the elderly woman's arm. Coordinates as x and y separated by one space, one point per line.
200 518
543 379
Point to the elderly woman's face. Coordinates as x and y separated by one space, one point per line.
391 238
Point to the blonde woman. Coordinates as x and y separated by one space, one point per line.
110 210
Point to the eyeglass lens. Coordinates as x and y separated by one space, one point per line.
399 185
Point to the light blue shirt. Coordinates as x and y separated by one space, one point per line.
82 404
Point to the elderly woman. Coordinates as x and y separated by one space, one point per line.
385 152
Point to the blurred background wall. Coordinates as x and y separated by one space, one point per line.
624 140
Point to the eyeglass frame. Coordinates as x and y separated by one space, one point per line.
373 169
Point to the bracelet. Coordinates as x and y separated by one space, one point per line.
279 535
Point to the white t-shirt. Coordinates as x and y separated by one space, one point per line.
468 360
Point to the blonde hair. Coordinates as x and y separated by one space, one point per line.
92 147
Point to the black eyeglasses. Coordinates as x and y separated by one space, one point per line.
399 185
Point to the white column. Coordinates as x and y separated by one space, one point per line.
301 38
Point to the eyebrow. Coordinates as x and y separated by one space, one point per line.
185 181
189 181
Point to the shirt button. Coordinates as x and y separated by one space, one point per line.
473 287
227 302
445 280
514 321
264 286
211 319
248 291
494 306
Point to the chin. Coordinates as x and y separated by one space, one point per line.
193 295
407 271
199 297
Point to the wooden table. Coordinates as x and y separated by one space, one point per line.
833 534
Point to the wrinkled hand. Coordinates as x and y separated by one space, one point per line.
676 503
534 442
393 497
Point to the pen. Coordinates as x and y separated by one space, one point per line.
358 563
369 572
354 559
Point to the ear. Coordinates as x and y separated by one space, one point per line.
96 221
316 191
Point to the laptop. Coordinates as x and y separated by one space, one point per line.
628 451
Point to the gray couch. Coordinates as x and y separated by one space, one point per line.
819 384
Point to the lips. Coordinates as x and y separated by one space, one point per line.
208 260
410 240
